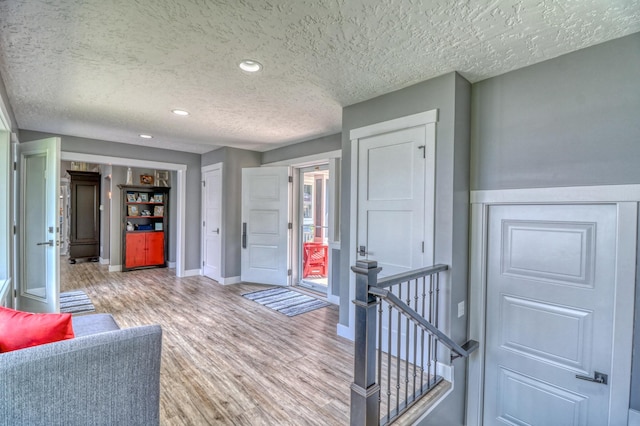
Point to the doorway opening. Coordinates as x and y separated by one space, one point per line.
313 253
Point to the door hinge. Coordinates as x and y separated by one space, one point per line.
15 230
289 225
204 183
289 272
423 246
15 166
15 293
290 179
203 223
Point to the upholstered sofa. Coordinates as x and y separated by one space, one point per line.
103 376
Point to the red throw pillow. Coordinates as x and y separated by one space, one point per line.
20 330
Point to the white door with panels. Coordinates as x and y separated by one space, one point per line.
38 284
265 225
393 208
211 223
551 290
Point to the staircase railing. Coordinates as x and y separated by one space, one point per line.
396 341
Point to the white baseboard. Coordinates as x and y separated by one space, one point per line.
345 331
634 418
333 299
171 265
229 280
115 268
192 273
104 261
445 371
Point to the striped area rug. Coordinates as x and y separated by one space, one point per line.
285 301
75 302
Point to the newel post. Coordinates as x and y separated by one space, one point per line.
365 392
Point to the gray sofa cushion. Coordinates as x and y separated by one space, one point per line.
84 325
109 378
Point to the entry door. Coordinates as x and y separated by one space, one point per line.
212 233
551 286
38 285
392 217
265 225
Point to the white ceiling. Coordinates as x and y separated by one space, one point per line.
112 69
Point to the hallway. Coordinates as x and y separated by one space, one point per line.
226 359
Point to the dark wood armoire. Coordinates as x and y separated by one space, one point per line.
84 241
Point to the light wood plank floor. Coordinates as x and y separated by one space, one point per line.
227 360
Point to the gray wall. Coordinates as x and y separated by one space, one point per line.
233 160
303 149
114 149
572 120
450 94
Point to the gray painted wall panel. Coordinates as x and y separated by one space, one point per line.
572 120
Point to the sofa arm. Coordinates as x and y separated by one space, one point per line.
111 378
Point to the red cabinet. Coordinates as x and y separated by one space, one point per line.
144 226
144 249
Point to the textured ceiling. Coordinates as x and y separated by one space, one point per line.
112 69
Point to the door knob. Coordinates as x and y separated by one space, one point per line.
362 251
598 377
218 231
48 243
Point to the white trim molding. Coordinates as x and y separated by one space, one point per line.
562 195
115 268
626 197
634 418
229 280
192 273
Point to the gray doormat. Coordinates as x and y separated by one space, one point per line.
75 302
285 301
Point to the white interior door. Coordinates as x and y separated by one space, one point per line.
38 284
265 225
212 232
392 215
551 291
395 209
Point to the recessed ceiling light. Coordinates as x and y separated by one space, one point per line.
143 136
249 65
180 112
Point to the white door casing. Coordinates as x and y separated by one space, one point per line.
575 291
212 223
38 284
265 225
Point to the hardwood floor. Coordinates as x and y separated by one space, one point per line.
227 360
